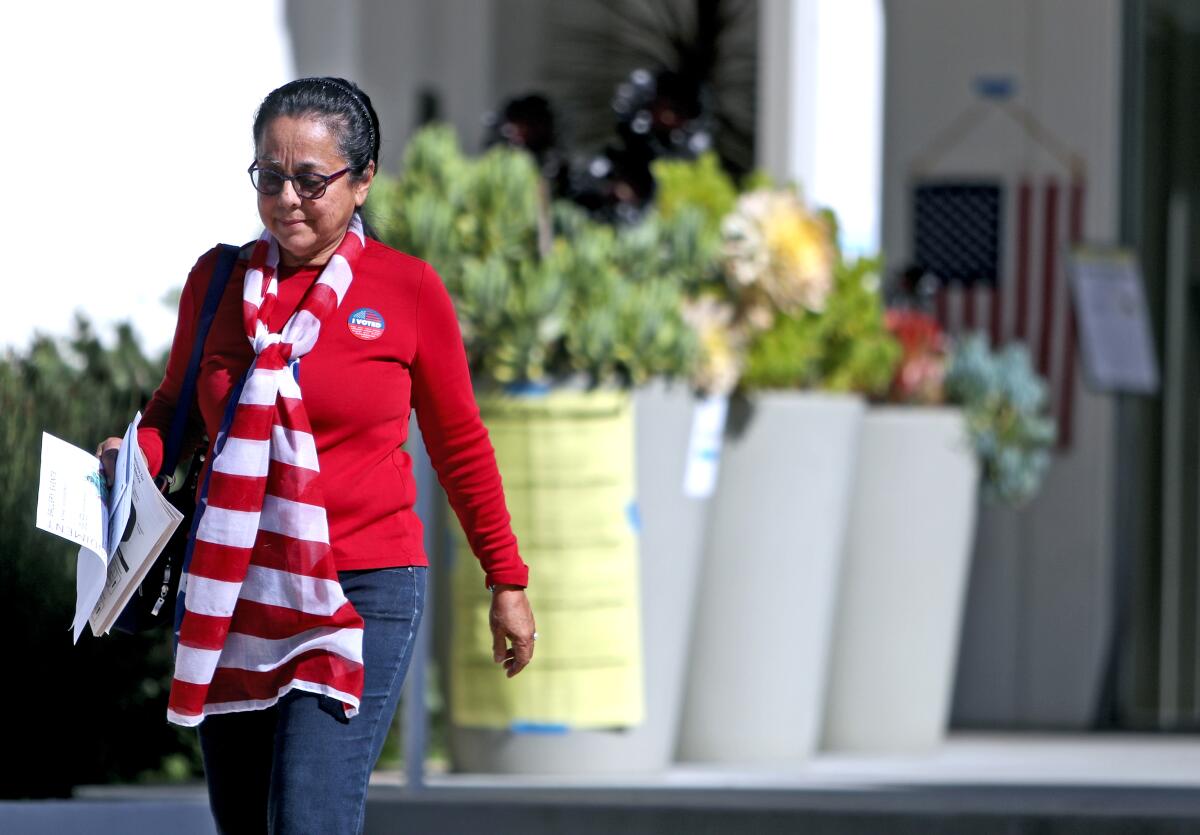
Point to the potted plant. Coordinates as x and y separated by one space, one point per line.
805 328
562 317
953 413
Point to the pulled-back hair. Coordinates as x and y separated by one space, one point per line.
344 109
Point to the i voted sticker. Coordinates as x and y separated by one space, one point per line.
366 323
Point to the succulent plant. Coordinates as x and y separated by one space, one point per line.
598 301
843 347
1005 403
782 308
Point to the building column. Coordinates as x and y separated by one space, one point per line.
820 107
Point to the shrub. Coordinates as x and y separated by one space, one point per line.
94 712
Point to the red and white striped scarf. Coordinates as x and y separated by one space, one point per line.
263 611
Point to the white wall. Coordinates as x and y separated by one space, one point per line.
127 136
396 50
1038 610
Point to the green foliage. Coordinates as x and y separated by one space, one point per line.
624 319
1005 403
94 712
598 302
757 179
846 347
694 185
692 199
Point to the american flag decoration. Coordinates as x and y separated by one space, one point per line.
957 234
1011 287
997 247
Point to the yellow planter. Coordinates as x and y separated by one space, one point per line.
567 460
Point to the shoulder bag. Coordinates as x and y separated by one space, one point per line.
148 608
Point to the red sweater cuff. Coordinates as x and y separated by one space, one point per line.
517 575
151 442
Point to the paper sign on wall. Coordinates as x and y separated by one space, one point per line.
1114 326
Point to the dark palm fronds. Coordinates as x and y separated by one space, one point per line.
705 48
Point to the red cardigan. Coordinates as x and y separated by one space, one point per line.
394 344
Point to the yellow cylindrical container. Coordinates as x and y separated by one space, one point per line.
567 460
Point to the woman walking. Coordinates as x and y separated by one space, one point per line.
305 582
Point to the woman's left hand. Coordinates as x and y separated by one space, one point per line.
511 619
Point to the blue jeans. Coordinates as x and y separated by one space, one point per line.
301 766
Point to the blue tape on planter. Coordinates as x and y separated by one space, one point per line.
538 728
634 514
527 389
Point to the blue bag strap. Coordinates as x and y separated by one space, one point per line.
226 258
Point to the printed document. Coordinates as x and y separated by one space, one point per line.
120 530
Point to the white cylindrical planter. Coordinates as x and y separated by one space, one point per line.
671 538
912 525
760 643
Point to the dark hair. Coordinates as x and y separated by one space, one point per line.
340 104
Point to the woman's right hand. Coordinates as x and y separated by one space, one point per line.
107 453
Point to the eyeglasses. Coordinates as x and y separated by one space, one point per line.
308 186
